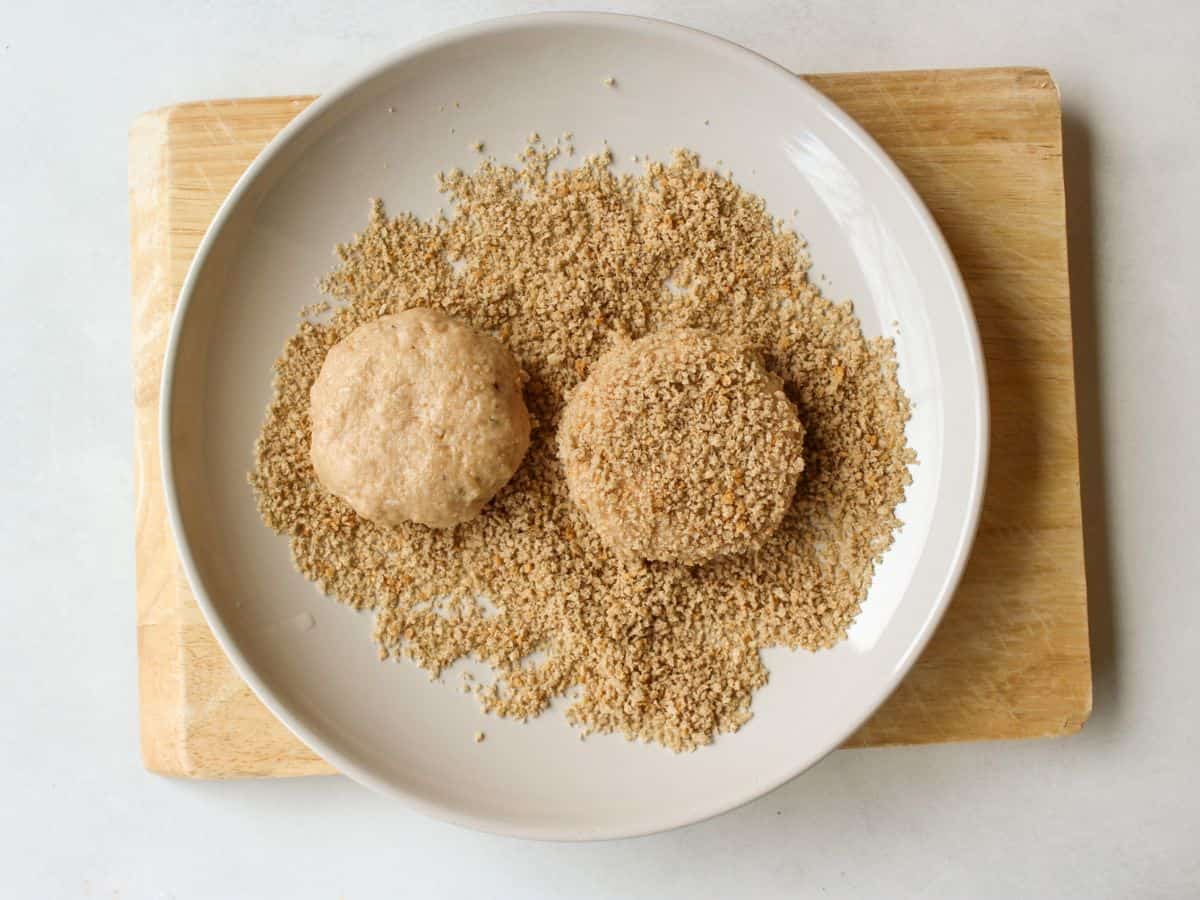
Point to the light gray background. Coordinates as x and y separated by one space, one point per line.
1112 812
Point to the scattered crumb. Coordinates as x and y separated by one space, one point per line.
609 81
562 265
706 121
477 146
568 135
480 737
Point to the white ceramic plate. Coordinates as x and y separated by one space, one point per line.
386 134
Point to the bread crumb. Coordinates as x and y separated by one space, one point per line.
563 264
609 81
480 737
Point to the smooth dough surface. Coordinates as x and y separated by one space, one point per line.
681 447
418 417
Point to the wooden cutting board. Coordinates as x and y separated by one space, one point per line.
984 149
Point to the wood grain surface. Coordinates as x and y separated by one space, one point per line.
983 148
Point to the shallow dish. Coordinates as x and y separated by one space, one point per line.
386 134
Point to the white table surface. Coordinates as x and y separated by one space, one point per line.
1112 812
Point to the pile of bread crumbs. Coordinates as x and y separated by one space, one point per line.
561 264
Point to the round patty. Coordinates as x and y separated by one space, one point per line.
681 446
418 417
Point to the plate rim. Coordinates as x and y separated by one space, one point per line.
330 100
